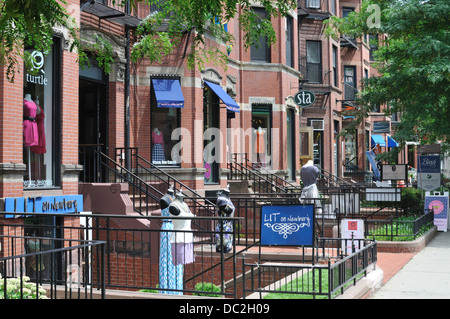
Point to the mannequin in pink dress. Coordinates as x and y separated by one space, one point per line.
30 128
40 147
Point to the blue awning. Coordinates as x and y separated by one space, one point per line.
168 93
378 139
392 142
229 102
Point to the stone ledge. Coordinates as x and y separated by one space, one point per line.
407 246
366 286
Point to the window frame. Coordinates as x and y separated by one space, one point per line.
261 53
153 107
56 112
318 64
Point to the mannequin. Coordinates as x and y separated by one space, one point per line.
40 147
260 145
182 237
309 174
170 276
225 227
30 128
158 145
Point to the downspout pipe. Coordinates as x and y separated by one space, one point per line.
127 88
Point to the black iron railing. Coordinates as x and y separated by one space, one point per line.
356 173
343 269
262 180
327 180
147 183
50 268
135 255
160 179
399 229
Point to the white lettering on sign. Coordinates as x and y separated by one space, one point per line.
428 162
37 62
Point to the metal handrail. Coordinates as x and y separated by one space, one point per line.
170 182
255 177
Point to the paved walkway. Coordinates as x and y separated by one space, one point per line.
422 275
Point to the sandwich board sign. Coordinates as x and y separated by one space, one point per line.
439 204
287 225
351 229
429 172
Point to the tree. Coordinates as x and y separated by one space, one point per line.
204 17
31 22
413 63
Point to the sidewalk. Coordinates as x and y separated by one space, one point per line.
422 275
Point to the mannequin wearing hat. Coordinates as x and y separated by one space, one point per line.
224 228
170 276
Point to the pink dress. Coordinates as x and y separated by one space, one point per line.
30 129
40 148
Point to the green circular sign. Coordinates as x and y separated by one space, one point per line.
304 98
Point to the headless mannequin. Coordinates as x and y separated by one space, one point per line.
224 228
260 146
182 237
309 174
30 128
167 199
158 145
170 276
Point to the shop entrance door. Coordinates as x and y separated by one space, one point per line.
40 232
291 143
92 127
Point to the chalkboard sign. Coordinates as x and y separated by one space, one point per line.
287 225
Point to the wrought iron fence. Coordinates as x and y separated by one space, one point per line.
137 251
50 268
343 268
398 229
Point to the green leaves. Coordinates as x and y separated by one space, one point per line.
414 65
204 19
29 22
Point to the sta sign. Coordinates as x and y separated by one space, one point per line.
304 98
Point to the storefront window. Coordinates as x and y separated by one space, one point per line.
210 121
351 160
39 153
261 124
165 118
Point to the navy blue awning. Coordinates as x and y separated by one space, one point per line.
378 139
168 93
229 102
392 142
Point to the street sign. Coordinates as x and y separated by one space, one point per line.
304 98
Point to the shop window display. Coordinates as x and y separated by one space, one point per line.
38 120
261 125
164 120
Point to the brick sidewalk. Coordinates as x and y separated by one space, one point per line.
391 263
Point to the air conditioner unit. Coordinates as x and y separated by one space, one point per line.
314 4
317 125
